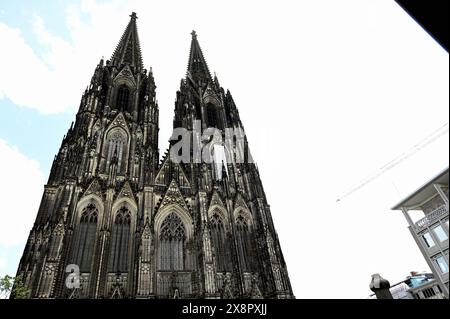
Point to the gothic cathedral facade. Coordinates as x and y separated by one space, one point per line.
115 221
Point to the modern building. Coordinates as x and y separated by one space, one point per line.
117 221
431 232
416 286
425 288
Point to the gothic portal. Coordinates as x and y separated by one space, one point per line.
115 221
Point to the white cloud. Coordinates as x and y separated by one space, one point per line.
54 82
20 193
28 80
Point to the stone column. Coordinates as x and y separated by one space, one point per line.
208 263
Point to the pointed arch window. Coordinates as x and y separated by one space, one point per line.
123 98
218 241
244 240
85 242
171 243
211 114
116 143
120 241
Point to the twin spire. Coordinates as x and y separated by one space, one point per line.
197 67
128 50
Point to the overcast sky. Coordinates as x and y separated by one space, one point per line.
328 91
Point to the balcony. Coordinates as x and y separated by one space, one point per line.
432 217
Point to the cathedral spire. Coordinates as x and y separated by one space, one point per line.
197 66
128 50
110 158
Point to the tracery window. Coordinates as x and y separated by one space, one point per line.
85 242
123 98
116 143
120 241
218 241
211 114
244 240
171 243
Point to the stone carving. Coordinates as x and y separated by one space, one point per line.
111 153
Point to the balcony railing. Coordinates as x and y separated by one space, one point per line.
432 217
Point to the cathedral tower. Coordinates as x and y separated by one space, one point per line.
115 222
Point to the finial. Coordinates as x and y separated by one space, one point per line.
133 15
194 34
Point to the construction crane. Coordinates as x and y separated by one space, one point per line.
405 155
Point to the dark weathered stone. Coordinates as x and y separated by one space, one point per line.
138 227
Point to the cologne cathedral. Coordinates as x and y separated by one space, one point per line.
116 220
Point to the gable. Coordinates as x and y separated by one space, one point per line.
126 192
216 200
240 203
94 188
119 121
173 196
125 76
170 171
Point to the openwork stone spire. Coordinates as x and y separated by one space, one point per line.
115 222
197 66
128 51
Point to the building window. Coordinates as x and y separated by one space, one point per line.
443 266
218 242
118 257
440 233
171 243
244 240
428 239
211 114
123 98
116 145
86 238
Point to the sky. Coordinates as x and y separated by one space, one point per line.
328 92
